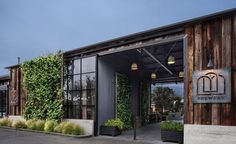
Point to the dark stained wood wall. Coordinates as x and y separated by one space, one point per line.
216 37
17 94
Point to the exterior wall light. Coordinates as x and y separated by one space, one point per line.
171 60
134 66
210 64
153 76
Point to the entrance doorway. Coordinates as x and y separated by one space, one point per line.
156 63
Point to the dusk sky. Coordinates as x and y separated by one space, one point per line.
31 28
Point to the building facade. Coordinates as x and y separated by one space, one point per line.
198 45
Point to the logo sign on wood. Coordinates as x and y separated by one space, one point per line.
13 98
212 86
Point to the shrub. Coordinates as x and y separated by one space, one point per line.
59 127
19 124
173 126
114 122
67 128
49 125
71 128
31 124
77 130
5 122
40 125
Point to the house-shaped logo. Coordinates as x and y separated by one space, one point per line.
212 86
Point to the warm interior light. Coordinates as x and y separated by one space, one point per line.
171 60
181 74
134 67
153 76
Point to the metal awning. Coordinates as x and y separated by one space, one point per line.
139 45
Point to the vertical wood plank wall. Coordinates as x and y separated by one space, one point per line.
218 38
16 90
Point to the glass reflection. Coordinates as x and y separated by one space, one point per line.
88 81
77 66
88 64
77 82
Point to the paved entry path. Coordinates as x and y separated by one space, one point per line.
150 133
145 135
9 136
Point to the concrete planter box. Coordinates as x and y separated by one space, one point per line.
175 136
110 130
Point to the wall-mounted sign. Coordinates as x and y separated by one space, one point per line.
13 97
212 86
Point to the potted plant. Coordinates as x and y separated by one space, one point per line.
172 131
112 127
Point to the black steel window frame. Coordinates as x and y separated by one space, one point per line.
74 111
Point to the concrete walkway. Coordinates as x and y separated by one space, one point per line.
150 133
10 136
145 135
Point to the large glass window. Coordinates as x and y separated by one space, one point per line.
79 88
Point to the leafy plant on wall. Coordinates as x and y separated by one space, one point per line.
124 112
42 81
145 103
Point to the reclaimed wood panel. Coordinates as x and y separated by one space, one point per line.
216 44
226 62
188 76
218 38
234 70
16 90
197 66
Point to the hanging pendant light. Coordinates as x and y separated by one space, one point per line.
153 76
171 60
134 66
181 74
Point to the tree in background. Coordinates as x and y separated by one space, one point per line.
165 100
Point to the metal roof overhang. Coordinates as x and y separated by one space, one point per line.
142 45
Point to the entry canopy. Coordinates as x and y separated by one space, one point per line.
151 57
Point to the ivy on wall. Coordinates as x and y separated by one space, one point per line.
42 77
124 100
145 103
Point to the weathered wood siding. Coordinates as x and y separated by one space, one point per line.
218 37
17 95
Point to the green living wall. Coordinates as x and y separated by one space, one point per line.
42 81
145 103
124 100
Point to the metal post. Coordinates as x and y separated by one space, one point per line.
134 119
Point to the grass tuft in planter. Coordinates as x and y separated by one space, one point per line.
40 125
59 127
31 124
50 125
112 127
71 128
6 122
172 131
19 124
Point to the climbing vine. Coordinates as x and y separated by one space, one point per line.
42 78
145 103
124 100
